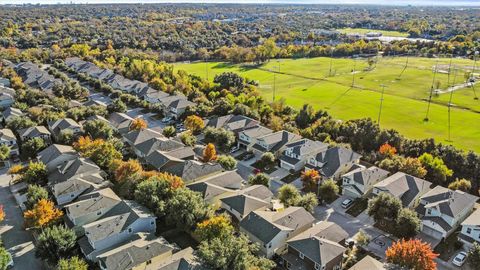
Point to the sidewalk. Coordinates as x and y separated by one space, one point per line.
15 238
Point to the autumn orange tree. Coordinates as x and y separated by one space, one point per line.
209 153
126 169
194 123
310 179
42 214
138 124
216 226
100 151
412 254
2 213
387 150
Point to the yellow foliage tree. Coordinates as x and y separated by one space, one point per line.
209 153
2 213
138 124
42 214
194 123
310 180
16 169
126 169
216 226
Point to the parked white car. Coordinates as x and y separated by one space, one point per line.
347 203
460 259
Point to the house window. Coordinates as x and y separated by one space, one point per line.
336 267
301 255
129 230
270 245
317 266
429 211
469 230
149 261
151 223
99 213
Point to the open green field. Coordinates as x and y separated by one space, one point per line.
404 108
363 31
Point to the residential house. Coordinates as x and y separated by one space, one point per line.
153 96
192 170
36 77
7 98
121 122
180 260
470 232
142 250
4 82
62 125
55 155
233 123
248 137
442 210
90 207
160 160
403 186
10 113
297 153
317 248
8 138
136 137
369 263
271 229
79 167
163 144
175 105
333 162
359 182
35 132
216 186
116 226
245 201
275 142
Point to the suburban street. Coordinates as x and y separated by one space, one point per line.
15 238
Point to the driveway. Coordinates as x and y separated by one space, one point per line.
16 239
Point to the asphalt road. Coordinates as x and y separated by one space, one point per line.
15 238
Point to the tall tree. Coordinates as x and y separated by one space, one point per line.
328 190
288 195
473 257
31 147
186 208
42 214
437 171
34 194
194 123
310 179
5 258
4 152
55 243
460 184
73 263
407 224
384 206
412 254
138 124
216 226
259 179
98 129
209 153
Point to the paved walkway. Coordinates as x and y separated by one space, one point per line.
15 238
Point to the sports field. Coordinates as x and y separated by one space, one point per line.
326 83
364 31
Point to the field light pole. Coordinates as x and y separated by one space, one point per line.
274 80
450 106
354 67
431 92
473 73
331 61
381 103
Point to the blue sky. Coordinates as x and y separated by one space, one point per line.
381 2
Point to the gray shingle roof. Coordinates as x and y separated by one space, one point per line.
93 202
7 134
61 124
33 132
405 187
191 170
305 146
369 263
136 137
135 252
318 249
265 225
449 202
54 151
368 176
333 160
79 167
160 160
473 219
277 140
158 143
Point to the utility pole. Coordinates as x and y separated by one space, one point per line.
354 67
206 68
449 70
331 62
450 107
475 53
275 79
431 92
381 103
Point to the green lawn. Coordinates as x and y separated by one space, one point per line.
404 108
363 31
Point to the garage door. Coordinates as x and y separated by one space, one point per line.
432 232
